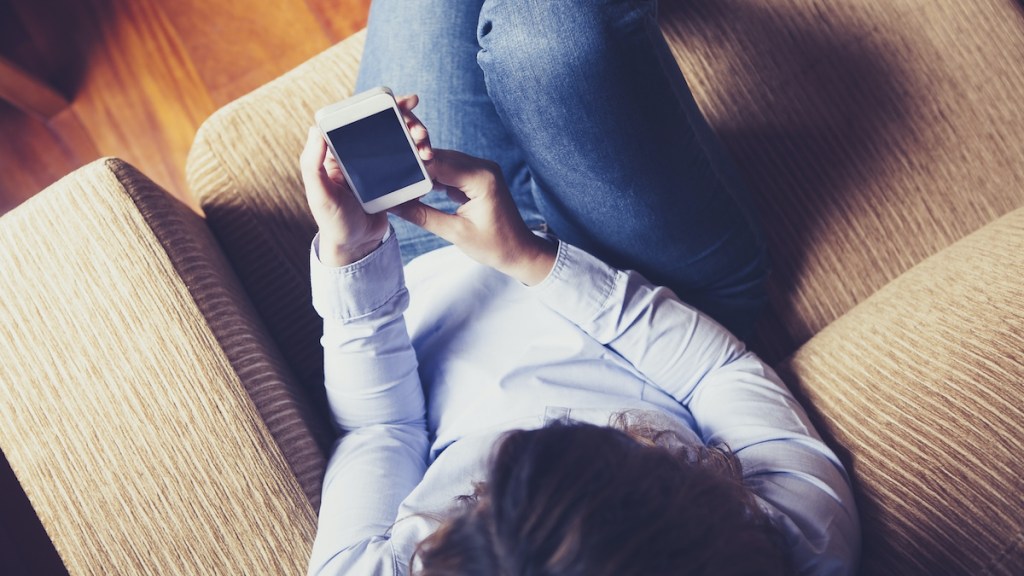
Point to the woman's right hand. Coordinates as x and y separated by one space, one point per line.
347 233
487 225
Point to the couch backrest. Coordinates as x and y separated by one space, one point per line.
873 133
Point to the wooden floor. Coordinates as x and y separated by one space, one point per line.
140 76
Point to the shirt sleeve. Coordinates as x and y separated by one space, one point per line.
370 374
736 400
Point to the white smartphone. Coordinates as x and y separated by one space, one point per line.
369 138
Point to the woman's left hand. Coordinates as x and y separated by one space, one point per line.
487 225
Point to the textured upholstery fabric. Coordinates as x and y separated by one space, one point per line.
872 132
238 328
121 409
243 167
922 385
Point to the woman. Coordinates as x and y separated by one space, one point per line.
516 404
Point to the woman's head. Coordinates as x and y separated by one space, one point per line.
587 500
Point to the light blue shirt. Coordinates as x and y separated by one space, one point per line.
425 369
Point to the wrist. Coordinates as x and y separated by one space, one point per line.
335 254
534 262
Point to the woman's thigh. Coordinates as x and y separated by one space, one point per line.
624 164
429 47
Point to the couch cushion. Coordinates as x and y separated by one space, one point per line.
922 385
127 341
873 133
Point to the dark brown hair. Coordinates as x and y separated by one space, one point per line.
583 500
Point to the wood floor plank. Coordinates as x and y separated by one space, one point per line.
32 159
267 42
143 74
45 38
74 139
29 92
141 98
340 18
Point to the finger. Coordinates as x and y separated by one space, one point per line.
333 168
418 132
431 219
421 139
416 128
311 161
407 102
319 185
330 162
426 151
420 136
469 174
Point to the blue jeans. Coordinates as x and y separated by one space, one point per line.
596 131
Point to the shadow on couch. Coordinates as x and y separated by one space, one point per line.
808 109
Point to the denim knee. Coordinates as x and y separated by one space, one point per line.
548 42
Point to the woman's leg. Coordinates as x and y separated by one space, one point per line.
429 47
623 162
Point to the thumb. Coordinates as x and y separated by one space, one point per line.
311 161
445 225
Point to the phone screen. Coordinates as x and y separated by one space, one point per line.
376 155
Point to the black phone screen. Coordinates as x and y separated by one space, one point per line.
376 155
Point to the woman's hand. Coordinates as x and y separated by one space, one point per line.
487 225
347 234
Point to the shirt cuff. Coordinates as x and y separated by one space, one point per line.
578 286
351 292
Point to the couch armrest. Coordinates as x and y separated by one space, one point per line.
922 387
243 168
122 411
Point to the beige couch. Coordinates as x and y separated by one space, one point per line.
160 391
